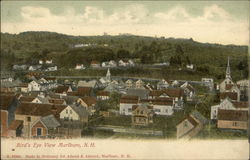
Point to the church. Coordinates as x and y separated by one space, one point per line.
227 85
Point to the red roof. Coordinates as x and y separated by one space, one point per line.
89 100
37 109
231 95
129 99
84 91
103 93
26 99
62 89
241 104
232 115
56 101
159 101
171 92
95 62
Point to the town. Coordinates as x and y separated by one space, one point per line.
47 106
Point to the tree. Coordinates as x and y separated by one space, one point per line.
122 53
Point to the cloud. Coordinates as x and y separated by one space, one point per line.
136 19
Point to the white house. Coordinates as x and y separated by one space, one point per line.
227 104
74 113
109 64
48 61
34 67
129 83
34 86
125 63
190 66
52 68
80 66
163 84
139 84
126 103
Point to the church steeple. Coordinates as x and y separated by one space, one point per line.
228 72
108 75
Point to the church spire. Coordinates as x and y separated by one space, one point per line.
108 75
228 72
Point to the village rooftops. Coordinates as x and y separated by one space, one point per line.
103 93
84 91
171 92
37 109
232 115
158 101
56 101
62 89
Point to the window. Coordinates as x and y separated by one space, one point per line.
38 131
66 111
166 110
129 110
28 119
157 110
235 124
185 124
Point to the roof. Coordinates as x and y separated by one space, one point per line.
147 108
232 115
241 104
87 84
6 101
159 101
142 93
38 109
171 92
56 101
231 95
27 99
81 111
129 99
50 121
62 89
15 124
192 121
89 100
198 116
95 62
84 91
103 93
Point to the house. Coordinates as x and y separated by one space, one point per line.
232 119
95 64
129 83
63 90
15 129
227 104
161 106
103 95
191 125
244 86
20 67
209 82
4 123
30 113
40 61
28 99
118 88
88 103
139 84
51 68
34 67
105 81
48 61
161 64
126 103
190 66
163 84
142 115
34 86
109 64
176 93
189 91
75 113
80 66
175 83
84 91
46 126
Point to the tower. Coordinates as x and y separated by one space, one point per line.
228 72
108 75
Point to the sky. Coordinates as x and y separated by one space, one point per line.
223 22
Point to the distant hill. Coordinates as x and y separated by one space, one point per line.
29 46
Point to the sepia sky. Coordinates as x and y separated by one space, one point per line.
224 22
